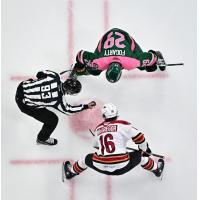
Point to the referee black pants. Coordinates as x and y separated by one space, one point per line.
48 118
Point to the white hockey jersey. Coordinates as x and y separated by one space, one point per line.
111 137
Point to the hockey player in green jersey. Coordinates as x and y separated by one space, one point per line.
116 51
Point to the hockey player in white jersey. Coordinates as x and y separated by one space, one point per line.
112 157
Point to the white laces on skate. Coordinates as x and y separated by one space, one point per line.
50 141
160 62
159 166
69 166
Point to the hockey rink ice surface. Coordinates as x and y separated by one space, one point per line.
47 34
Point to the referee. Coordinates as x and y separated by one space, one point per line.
34 96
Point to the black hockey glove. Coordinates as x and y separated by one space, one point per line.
90 105
146 153
93 71
78 70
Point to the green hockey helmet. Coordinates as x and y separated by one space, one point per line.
114 72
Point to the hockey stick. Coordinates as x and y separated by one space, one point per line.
69 70
91 132
61 73
129 148
172 64
150 154
165 65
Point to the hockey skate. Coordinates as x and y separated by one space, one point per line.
160 62
158 172
66 171
50 142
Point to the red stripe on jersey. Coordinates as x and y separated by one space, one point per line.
120 122
106 123
138 139
149 165
111 159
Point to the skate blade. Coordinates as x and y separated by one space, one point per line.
161 177
63 173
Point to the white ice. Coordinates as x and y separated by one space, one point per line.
35 36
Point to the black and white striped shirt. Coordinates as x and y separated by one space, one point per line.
47 91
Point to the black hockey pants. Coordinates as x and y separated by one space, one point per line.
135 158
48 118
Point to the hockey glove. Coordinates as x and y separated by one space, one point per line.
90 105
79 69
146 153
